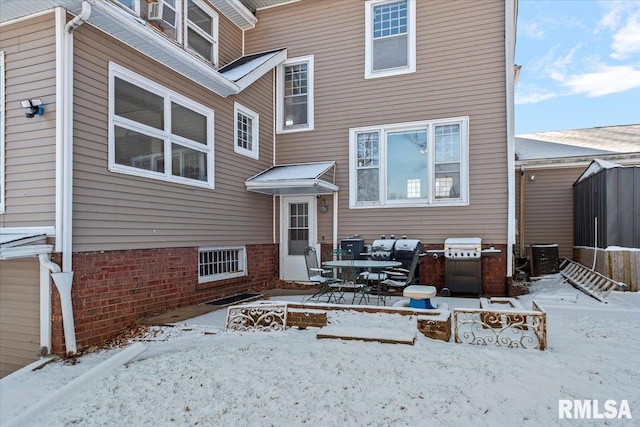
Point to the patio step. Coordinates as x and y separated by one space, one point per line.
383 335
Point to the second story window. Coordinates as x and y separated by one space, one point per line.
157 133
295 95
201 35
246 131
390 41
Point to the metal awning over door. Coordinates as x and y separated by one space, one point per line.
292 179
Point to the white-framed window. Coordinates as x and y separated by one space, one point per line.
201 30
2 119
245 131
157 133
295 95
410 164
218 263
390 37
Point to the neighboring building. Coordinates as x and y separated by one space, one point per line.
548 164
139 187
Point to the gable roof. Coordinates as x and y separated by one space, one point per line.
592 142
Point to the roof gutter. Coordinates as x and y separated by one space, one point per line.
579 161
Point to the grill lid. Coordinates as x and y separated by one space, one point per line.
462 247
407 245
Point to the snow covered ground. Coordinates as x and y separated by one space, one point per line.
196 374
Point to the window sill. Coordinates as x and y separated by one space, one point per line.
222 282
388 73
293 130
411 205
160 177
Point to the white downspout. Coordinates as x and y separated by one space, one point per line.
46 266
64 279
510 28
335 220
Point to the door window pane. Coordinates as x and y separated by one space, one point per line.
298 228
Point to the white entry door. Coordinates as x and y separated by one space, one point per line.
297 231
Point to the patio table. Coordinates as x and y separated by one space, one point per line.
364 264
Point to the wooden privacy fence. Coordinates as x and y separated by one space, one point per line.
621 265
504 328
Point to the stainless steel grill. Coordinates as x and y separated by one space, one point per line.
463 265
462 247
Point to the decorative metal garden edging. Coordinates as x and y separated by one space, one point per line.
504 328
262 317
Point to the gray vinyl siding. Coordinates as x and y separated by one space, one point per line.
460 63
548 208
19 314
30 61
117 211
230 41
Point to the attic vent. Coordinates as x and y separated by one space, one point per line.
163 12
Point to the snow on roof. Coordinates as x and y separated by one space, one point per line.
596 166
294 171
300 178
242 66
578 142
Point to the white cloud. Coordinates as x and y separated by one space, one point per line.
532 95
626 41
604 80
611 20
531 30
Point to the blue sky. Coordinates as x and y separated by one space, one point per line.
580 64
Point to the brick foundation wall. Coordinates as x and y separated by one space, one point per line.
494 270
112 290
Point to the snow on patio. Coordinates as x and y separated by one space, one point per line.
193 376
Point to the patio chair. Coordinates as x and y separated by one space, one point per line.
349 278
400 277
381 250
317 276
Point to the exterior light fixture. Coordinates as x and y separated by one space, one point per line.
34 106
532 177
323 206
